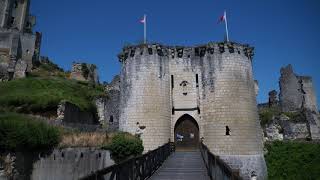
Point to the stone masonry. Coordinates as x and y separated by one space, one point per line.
19 46
85 72
297 93
213 83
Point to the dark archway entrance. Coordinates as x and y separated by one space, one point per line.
186 132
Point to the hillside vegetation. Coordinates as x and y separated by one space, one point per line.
21 132
43 94
293 160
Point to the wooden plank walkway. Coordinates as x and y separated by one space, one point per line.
182 166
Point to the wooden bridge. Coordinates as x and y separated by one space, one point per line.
165 163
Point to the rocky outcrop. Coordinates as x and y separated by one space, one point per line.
274 132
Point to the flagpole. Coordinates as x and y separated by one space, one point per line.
226 23
145 29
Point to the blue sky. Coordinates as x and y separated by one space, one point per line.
282 31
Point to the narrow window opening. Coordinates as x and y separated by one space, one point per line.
132 53
198 110
111 119
16 4
12 20
196 52
150 51
173 110
62 155
172 82
227 131
197 80
81 155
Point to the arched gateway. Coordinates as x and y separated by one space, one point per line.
186 133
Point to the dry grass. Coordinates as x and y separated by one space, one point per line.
83 139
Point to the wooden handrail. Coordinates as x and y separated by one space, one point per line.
140 167
214 165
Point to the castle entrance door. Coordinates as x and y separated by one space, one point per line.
186 132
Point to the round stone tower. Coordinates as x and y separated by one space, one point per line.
145 94
205 91
232 129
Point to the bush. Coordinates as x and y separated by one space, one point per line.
293 160
297 116
19 132
33 95
267 114
124 145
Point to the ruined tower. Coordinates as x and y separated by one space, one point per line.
19 46
205 91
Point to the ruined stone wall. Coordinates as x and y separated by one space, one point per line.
16 35
3 13
291 96
310 98
145 94
69 113
84 72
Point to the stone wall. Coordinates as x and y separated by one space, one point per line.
297 93
213 83
21 45
62 164
291 96
145 95
84 72
69 113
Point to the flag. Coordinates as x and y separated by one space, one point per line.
223 17
143 20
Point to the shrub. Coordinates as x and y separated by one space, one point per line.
297 116
267 114
124 145
293 160
20 132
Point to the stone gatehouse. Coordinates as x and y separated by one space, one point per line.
190 93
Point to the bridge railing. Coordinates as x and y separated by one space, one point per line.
137 168
216 167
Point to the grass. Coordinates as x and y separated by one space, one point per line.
293 160
21 132
43 94
83 139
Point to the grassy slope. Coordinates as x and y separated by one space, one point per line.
40 94
293 160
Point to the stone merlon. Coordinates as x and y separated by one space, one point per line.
184 51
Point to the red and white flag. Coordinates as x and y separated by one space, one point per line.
223 17
143 20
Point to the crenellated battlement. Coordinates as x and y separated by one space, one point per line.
185 51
